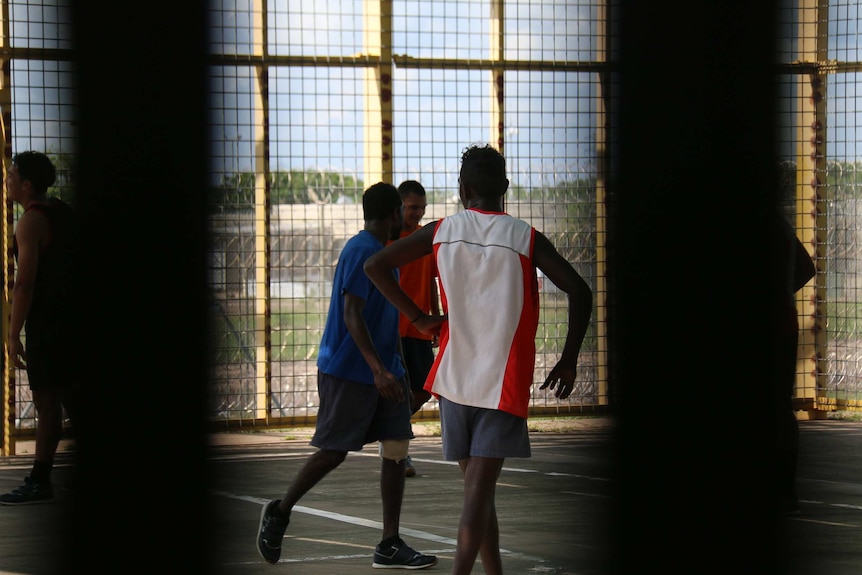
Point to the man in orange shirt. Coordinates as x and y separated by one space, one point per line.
419 281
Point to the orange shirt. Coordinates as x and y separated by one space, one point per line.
416 280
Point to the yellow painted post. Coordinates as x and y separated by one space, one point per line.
6 223
811 208
262 215
497 120
378 91
601 215
8 410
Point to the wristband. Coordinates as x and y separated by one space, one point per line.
417 317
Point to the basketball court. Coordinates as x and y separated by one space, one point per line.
553 508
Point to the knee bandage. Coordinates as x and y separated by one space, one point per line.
394 449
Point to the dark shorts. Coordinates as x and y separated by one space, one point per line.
353 414
50 360
478 432
418 359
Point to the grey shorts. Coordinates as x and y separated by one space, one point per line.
353 414
477 432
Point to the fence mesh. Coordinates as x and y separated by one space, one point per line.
311 102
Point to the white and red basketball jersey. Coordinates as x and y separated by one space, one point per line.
489 291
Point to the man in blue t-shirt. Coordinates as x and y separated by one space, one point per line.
364 395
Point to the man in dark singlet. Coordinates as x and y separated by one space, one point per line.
45 246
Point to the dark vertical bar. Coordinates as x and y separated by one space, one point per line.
694 146
142 177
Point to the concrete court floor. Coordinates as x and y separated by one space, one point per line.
551 507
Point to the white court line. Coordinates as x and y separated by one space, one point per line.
819 522
368 523
346 519
329 557
231 457
244 456
373 524
852 484
510 469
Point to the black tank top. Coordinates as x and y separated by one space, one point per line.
56 279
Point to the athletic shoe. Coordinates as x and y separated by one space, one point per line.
399 555
30 492
409 470
271 533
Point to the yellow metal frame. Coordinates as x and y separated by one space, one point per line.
811 209
378 90
379 63
262 215
8 262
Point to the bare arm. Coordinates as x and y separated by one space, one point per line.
379 270
31 227
565 277
386 383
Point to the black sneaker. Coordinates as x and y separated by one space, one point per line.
30 492
271 533
399 555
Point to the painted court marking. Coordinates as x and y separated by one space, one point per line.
344 518
415 533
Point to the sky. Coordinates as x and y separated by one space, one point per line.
317 120
316 117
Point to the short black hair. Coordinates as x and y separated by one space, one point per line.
411 187
483 168
379 201
37 168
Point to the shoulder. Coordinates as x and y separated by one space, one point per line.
32 220
362 241
358 248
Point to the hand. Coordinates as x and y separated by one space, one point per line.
17 353
562 379
388 386
430 324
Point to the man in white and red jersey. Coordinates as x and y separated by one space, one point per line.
482 375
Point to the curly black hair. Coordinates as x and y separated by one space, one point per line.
483 168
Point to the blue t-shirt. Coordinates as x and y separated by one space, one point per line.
339 355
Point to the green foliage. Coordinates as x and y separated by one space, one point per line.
297 326
844 180
237 191
298 187
64 185
553 325
578 242
844 319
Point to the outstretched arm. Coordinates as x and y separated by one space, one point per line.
379 268
558 270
